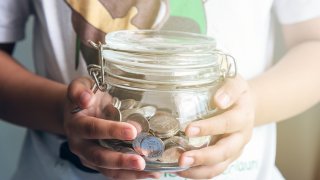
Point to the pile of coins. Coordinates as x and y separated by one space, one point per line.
160 139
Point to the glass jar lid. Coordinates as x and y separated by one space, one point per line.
159 60
152 41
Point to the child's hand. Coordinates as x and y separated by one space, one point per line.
85 127
235 125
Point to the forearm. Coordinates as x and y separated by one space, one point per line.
30 100
290 87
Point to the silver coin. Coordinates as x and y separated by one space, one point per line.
128 104
172 154
148 111
164 124
139 122
114 113
136 143
116 102
152 147
174 147
199 142
177 141
128 112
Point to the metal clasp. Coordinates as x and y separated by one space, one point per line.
97 72
228 66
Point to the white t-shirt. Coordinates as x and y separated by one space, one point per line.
243 28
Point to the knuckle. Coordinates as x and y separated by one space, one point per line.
225 154
113 132
121 161
90 128
226 125
97 158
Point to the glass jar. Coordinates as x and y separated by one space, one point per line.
160 81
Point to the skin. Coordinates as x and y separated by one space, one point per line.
246 103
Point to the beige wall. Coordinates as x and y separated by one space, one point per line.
298 152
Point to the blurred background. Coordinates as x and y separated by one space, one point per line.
298 146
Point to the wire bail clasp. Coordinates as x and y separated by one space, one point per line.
97 72
228 66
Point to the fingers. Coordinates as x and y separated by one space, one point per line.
227 148
229 92
121 174
95 155
230 121
94 128
79 92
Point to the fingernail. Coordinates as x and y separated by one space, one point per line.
223 100
187 161
193 131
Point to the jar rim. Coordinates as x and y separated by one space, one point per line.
159 42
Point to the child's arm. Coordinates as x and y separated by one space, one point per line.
287 89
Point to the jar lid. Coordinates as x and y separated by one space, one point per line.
166 60
151 41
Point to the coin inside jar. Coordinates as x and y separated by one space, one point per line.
148 111
113 113
136 143
199 142
172 154
128 112
128 104
174 147
138 121
164 125
152 147
116 102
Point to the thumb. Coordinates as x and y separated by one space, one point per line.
79 92
230 92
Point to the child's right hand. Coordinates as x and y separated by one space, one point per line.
86 126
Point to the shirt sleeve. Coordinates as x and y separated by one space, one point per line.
294 11
13 17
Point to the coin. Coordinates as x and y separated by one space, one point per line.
136 143
199 142
128 112
177 141
116 102
152 147
172 154
138 121
148 111
128 104
164 125
174 147
113 113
